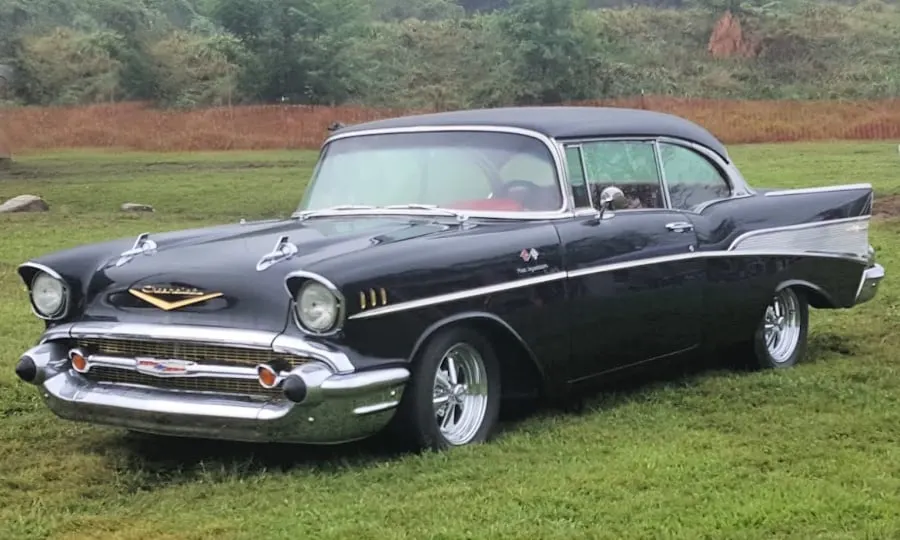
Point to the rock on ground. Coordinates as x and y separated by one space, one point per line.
136 207
24 203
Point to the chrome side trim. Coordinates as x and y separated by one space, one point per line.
459 295
556 276
233 337
555 152
824 236
342 302
825 189
708 255
67 291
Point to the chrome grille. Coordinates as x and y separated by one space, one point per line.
245 387
221 355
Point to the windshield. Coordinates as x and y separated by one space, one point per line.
460 170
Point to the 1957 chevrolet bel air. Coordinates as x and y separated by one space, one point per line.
438 264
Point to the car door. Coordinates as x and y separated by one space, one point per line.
634 286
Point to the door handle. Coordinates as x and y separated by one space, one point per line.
680 226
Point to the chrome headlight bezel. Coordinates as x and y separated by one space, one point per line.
64 295
325 290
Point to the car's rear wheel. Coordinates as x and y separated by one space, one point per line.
780 340
453 396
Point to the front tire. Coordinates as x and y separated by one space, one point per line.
780 339
453 396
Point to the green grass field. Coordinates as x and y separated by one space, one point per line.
811 452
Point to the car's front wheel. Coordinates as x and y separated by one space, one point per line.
780 339
453 395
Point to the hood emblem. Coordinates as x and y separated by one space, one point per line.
282 251
169 298
142 246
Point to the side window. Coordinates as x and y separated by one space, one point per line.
629 165
576 177
691 178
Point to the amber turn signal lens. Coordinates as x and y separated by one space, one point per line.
79 362
268 378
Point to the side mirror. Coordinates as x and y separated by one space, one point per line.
611 198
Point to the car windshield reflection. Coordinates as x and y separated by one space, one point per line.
465 171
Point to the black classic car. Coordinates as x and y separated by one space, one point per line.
438 264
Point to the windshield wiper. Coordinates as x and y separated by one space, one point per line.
305 214
430 207
339 208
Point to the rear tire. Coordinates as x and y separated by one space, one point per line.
453 395
780 339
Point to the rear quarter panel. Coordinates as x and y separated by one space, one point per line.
816 239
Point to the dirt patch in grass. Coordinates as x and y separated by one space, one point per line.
887 207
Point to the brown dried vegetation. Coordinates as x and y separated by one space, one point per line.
140 127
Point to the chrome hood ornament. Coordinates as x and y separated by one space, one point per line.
142 246
282 251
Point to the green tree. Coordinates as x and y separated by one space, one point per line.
555 60
298 47
192 70
69 67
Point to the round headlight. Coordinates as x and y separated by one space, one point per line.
317 307
48 294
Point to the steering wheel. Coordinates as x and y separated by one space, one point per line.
515 185
527 193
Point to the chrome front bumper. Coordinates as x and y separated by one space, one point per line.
868 285
335 406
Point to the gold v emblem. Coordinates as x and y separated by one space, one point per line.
169 306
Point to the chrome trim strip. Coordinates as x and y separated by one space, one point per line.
233 337
825 189
551 144
342 302
802 226
556 276
67 291
703 206
664 184
459 295
707 255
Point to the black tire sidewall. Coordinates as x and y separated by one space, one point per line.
764 359
416 415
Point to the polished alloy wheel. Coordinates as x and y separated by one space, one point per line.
460 393
783 325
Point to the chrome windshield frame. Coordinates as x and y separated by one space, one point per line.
556 152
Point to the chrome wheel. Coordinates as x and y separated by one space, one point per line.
783 326
460 393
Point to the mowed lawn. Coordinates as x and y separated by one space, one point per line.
810 452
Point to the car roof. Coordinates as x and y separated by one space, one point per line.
561 123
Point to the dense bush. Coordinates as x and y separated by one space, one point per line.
440 53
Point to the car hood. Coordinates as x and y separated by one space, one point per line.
210 276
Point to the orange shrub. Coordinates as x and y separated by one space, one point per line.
139 126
